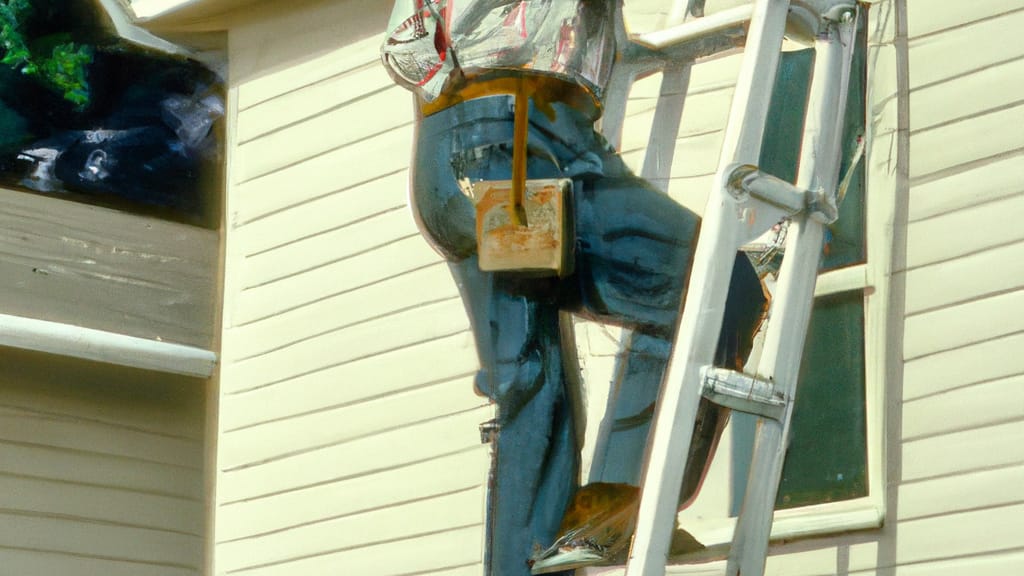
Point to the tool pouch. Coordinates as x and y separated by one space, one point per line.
539 241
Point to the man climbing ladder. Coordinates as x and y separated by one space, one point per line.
629 245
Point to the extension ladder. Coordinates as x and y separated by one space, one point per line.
744 204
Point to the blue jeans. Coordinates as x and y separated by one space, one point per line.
632 250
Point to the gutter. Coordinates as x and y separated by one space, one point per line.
187 28
154 9
123 19
176 16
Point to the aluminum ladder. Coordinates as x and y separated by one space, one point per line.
743 204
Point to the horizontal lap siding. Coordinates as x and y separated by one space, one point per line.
349 425
434 475
929 545
344 423
986 182
701 129
426 553
101 469
962 82
963 409
28 562
378 157
348 533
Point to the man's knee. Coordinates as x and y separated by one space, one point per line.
634 248
512 383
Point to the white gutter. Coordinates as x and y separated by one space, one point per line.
124 25
102 346
149 9
182 14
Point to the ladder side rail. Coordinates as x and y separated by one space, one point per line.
661 149
625 71
668 113
793 301
680 42
722 233
615 98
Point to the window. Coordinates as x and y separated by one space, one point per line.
827 460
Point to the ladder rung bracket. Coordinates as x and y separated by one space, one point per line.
743 392
746 181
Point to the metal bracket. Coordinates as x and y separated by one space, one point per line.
808 19
743 392
746 181
822 207
489 431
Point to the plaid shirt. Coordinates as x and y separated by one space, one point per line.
428 40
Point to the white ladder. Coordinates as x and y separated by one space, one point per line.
743 204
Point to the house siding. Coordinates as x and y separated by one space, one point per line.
347 419
962 412
101 471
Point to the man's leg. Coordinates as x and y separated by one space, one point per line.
619 454
515 322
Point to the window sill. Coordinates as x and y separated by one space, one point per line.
115 272
797 523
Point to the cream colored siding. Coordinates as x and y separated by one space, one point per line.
975 364
349 440
101 469
701 129
963 411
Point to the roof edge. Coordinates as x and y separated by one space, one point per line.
124 21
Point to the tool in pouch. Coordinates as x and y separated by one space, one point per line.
522 225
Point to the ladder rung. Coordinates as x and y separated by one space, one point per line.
697 30
743 392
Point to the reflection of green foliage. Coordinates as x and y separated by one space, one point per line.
55 59
66 69
12 14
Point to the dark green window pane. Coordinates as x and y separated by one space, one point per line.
780 153
827 456
844 242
